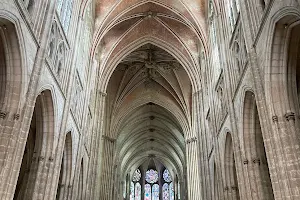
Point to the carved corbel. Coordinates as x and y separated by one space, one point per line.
3 114
290 116
257 160
275 118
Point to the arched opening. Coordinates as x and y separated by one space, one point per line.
38 148
255 151
10 83
293 68
231 183
64 183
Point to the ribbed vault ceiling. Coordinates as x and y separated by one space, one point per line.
148 52
150 105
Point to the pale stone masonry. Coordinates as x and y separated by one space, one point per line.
174 99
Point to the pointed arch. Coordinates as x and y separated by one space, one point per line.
39 147
255 150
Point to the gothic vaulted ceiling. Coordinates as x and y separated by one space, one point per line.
148 57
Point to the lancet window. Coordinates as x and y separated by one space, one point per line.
135 187
233 10
64 9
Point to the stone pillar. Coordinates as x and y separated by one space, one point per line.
39 178
143 179
107 168
194 189
94 181
128 185
175 185
280 135
196 162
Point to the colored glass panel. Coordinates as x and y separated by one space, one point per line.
155 192
131 191
147 192
138 191
151 176
171 189
166 192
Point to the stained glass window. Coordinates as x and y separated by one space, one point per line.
167 176
165 190
137 175
178 188
151 176
171 189
147 192
59 5
132 191
155 192
64 9
138 191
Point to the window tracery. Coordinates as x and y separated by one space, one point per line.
77 104
151 176
56 52
167 176
137 175
155 184
239 53
60 58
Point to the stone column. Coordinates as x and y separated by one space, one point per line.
94 181
107 168
175 185
196 163
128 185
281 141
143 179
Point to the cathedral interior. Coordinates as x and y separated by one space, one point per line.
149 100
